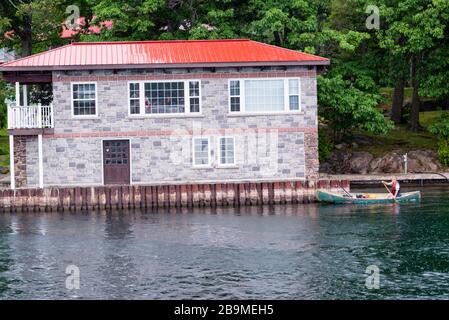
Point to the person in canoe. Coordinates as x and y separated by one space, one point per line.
395 188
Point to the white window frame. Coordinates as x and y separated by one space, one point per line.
209 158
286 97
291 95
84 116
175 114
233 164
241 89
129 97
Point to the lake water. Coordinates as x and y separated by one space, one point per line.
280 252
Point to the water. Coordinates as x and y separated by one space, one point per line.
281 252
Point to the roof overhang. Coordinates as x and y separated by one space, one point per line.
166 65
27 77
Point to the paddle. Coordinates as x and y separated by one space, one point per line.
389 191
350 195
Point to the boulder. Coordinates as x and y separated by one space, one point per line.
345 162
4 170
391 163
423 161
359 162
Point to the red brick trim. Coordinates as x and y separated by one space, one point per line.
270 74
164 133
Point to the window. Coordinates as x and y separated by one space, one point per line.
234 93
134 98
164 97
84 99
194 92
293 94
226 151
201 152
264 95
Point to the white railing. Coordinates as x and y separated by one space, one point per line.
30 117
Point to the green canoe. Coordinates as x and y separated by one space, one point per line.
365 198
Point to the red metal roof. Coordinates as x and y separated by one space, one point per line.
94 29
151 54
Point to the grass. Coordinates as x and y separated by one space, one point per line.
4 148
388 92
400 139
429 117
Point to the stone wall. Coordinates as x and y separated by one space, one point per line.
161 146
20 167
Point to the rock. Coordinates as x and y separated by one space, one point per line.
375 166
345 162
341 146
423 161
325 167
359 162
391 163
4 170
354 145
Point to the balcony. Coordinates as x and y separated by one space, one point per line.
30 117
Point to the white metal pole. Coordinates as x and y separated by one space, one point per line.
11 161
41 161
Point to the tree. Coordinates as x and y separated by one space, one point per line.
30 26
413 29
350 104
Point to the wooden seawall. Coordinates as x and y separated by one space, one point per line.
164 196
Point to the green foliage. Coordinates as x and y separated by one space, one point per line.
30 26
441 129
5 92
443 152
347 106
441 126
325 146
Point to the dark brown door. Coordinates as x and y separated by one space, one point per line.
116 165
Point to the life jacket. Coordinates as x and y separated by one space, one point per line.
394 185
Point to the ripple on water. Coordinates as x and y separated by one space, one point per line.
280 252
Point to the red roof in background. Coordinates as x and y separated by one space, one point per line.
151 54
68 33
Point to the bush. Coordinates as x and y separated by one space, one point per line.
441 129
443 152
325 146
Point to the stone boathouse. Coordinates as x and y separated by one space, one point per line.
164 113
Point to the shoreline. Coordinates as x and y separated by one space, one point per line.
406 179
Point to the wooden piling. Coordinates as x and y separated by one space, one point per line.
168 196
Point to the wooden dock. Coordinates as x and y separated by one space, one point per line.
408 179
164 196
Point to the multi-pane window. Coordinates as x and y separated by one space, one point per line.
264 95
116 152
164 97
134 98
84 99
194 93
234 94
226 151
201 152
293 94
